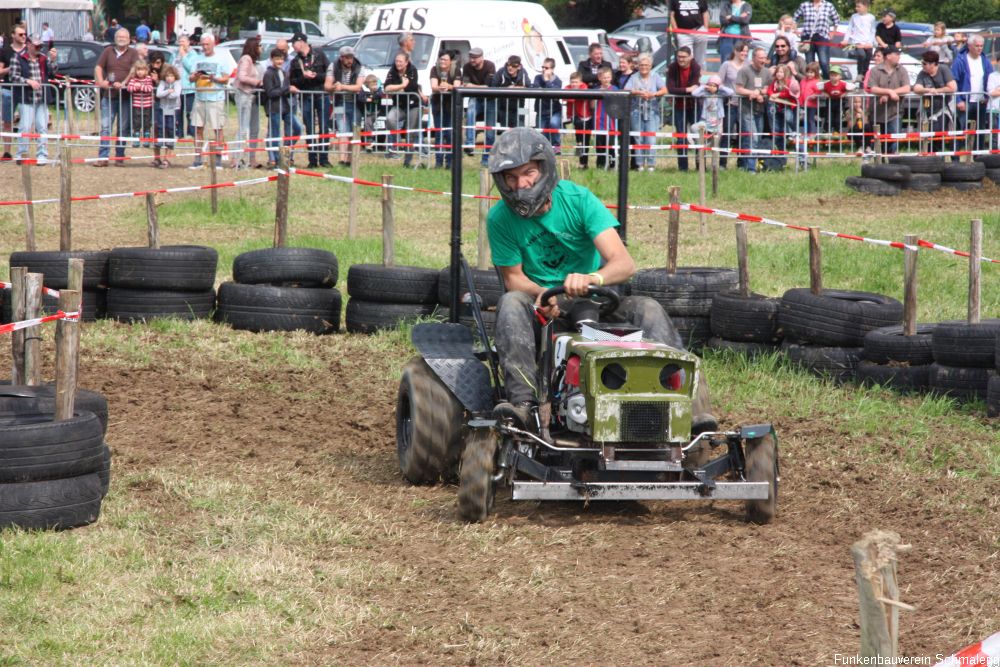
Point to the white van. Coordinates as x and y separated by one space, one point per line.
499 27
272 30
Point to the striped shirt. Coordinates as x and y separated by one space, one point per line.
142 92
816 19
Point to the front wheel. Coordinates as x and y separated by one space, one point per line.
762 466
428 425
476 488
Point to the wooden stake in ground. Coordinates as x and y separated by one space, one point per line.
878 594
673 228
70 111
65 200
152 221
910 285
74 282
17 274
281 202
741 259
213 179
564 169
32 335
352 206
815 262
67 354
975 253
29 209
878 144
482 240
715 165
388 223
701 155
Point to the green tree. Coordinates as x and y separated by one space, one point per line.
607 14
236 12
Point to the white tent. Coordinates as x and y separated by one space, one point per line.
69 19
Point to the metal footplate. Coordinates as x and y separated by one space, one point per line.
524 490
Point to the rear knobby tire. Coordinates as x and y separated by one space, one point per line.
762 466
476 488
428 425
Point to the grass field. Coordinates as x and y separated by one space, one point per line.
256 515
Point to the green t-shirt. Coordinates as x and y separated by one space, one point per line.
555 244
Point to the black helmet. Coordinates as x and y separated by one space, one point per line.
517 147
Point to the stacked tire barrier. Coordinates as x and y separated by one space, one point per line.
53 475
172 281
925 173
54 265
965 358
489 288
686 296
748 325
902 363
282 289
993 388
384 297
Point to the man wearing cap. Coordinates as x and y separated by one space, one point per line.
972 70
32 69
307 75
888 82
110 74
511 76
343 80
817 20
8 56
479 73
887 33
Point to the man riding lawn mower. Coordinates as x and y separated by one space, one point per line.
599 399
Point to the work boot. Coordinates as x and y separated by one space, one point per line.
521 414
702 418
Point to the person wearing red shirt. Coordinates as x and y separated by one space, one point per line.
582 113
835 89
783 93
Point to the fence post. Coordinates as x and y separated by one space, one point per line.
152 221
878 593
975 252
564 169
878 143
213 159
910 285
67 354
281 201
17 274
388 223
352 206
74 283
29 209
715 165
701 156
482 240
32 335
815 262
741 259
65 200
673 228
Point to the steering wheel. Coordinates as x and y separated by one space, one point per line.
606 297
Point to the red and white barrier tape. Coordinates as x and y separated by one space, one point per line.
981 654
25 324
48 291
143 193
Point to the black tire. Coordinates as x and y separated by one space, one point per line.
688 292
104 472
55 266
428 425
267 308
993 397
836 363
762 466
993 175
920 164
392 284
752 320
888 345
958 343
139 305
170 268
958 172
487 282
923 182
962 384
95 305
991 161
838 318
34 447
476 488
286 267
963 186
25 400
694 331
897 173
873 186
489 320
368 317
51 504
740 347
904 379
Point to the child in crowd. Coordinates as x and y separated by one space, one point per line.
887 33
713 108
140 85
168 95
783 92
787 29
960 44
582 114
860 36
860 130
942 43
278 103
877 59
549 111
605 143
809 92
370 101
835 89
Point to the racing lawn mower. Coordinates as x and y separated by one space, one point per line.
614 420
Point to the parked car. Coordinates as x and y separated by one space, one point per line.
332 48
646 24
280 28
580 53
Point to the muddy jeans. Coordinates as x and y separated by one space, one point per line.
518 331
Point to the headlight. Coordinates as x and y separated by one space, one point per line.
613 376
672 377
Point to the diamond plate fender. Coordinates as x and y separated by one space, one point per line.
447 348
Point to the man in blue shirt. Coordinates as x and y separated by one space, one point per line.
142 32
210 72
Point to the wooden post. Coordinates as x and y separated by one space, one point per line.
32 335
74 283
213 178
67 354
564 169
878 593
970 126
65 200
715 165
482 240
152 221
701 156
815 262
17 274
281 201
741 259
70 111
910 285
975 253
388 223
352 205
29 209
878 143
673 228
